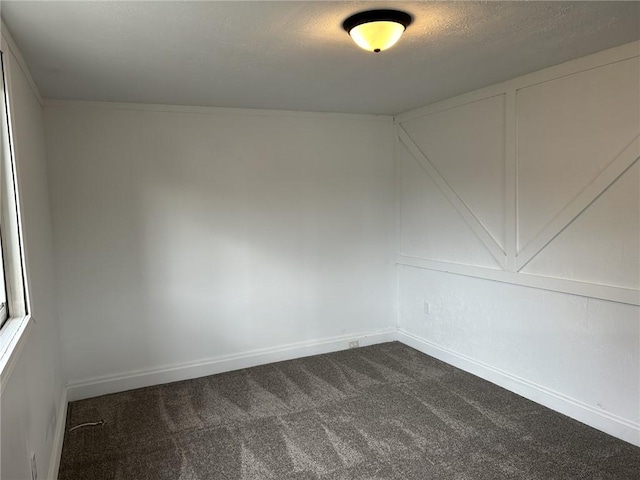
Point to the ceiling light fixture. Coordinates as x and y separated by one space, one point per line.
377 30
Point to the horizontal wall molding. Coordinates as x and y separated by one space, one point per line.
584 289
58 438
93 387
598 419
596 60
250 112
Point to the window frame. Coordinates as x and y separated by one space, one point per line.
15 329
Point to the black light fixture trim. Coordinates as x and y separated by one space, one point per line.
397 16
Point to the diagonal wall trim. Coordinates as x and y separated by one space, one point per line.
623 161
462 208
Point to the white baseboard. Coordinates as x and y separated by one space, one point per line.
93 387
598 419
58 437
613 425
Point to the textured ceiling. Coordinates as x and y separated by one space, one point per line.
294 55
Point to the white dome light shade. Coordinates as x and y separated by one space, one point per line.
376 36
377 30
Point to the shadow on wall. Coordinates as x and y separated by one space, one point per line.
208 235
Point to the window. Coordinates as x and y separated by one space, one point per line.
4 311
14 318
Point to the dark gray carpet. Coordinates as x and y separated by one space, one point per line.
381 412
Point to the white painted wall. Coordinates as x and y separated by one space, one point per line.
184 235
585 350
32 402
550 157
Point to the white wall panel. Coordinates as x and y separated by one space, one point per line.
532 155
183 236
572 198
466 146
431 226
568 130
585 349
602 245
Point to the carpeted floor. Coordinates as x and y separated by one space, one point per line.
380 412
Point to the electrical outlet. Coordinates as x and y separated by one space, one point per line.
34 466
427 308
354 344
